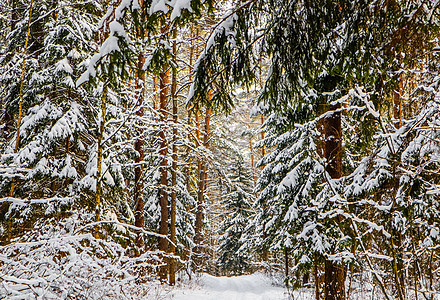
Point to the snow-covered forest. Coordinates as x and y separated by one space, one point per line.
150 145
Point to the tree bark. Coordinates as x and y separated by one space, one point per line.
206 137
202 185
188 150
333 145
265 252
199 209
154 92
316 276
334 278
173 169
286 266
397 103
98 195
251 149
163 242
20 107
396 237
139 148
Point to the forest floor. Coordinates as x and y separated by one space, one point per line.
247 287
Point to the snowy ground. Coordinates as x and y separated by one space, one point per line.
247 287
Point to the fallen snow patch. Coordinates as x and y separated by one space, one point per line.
247 287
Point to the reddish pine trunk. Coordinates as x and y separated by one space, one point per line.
173 170
199 209
198 225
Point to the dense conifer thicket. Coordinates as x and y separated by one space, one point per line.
145 141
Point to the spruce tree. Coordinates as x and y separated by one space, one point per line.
237 204
54 136
321 53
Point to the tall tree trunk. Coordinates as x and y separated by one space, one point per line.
396 243
173 168
154 92
396 237
263 149
163 98
265 252
334 281
202 186
139 148
20 103
286 266
397 104
188 150
316 276
199 208
251 149
102 35
334 278
20 109
99 161
206 137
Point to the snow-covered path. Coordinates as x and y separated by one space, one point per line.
247 287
